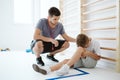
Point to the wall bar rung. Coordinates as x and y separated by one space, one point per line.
100 19
106 48
105 38
90 29
110 59
98 10
91 3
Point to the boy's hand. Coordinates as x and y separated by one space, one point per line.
85 54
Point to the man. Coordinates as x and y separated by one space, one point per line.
86 55
44 37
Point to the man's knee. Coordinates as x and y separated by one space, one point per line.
38 46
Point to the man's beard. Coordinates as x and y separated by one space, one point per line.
52 23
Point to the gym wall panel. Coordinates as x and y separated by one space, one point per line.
100 20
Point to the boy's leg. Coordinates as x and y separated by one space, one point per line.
65 68
78 64
77 55
46 70
59 65
89 62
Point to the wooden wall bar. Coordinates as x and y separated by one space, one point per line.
85 28
108 23
118 36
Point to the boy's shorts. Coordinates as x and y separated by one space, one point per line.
87 62
48 46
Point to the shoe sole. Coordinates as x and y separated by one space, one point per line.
37 69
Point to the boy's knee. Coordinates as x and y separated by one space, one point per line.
89 62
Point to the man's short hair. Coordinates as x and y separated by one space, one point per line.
54 11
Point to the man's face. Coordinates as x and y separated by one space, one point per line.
54 19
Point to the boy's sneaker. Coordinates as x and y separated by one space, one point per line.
63 70
38 69
51 57
39 61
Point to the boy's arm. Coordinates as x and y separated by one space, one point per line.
91 54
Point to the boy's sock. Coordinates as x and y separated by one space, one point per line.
63 70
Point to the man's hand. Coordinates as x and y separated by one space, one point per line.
55 42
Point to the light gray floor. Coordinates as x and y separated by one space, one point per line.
16 65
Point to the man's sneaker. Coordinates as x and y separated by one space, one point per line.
39 61
38 69
63 70
52 58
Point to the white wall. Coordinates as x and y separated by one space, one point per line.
13 36
71 17
19 36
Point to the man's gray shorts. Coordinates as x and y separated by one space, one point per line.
87 62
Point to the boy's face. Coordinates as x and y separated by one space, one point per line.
54 20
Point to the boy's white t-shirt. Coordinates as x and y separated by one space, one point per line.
89 62
94 47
